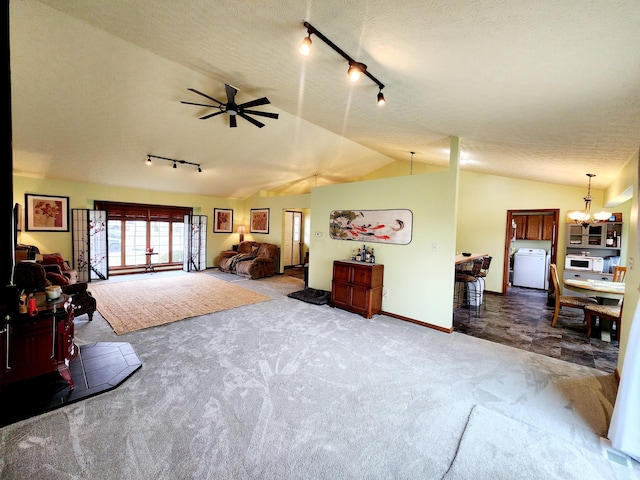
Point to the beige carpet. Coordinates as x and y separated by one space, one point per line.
135 305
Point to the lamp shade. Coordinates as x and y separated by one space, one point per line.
241 229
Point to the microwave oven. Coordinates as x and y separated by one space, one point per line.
579 262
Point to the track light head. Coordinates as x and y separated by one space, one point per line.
381 100
199 169
355 70
148 160
305 46
175 165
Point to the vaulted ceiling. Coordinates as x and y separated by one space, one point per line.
545 90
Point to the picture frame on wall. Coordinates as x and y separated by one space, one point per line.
46 213
222 220
259 220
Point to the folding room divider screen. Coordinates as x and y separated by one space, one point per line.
89 232
195 243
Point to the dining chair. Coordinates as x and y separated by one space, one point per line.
613 313
619 273
566 300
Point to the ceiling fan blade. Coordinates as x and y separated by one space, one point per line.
232 121
211 115
231 92
199 104
262 114
255 103
205 95
252 120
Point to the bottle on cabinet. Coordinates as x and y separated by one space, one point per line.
372 258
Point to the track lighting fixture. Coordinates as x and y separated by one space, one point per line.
305 46
356 69
175 162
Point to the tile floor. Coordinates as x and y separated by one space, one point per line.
522 319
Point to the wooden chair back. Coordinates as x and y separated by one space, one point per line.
619 273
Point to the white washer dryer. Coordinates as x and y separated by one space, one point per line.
529 268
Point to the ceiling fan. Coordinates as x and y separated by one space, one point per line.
233 109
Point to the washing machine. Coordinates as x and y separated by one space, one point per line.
529 268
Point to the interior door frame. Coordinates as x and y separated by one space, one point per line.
509 235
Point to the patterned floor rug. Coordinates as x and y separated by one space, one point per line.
135 305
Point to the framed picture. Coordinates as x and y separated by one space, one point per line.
46 213
259 220
222 220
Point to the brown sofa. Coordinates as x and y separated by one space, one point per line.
59 272
32 277
252 260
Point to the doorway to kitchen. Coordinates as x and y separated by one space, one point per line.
535 227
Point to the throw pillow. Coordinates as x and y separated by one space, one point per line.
57 279
54 259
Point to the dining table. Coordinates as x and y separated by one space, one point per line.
603 291
606 293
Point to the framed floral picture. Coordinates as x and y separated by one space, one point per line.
259 220
222 220
46 213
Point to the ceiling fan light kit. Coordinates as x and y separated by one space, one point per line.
232 109
356 69
175 162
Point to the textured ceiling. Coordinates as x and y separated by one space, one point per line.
543 90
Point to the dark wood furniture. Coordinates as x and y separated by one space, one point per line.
357 287
34 346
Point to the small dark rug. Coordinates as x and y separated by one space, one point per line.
311 295
98 367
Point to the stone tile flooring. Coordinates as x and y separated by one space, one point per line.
522 319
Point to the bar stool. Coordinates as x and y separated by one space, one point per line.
466 282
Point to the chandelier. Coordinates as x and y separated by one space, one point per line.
584 217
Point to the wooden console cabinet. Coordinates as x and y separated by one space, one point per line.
33 346
357 287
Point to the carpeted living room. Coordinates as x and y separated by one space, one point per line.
281 388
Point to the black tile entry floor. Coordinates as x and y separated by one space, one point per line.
522 319
97 368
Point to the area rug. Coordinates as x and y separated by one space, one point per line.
311 295
494 446
135 305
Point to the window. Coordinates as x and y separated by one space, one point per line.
135 228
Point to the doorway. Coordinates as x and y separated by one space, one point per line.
538 224
292 239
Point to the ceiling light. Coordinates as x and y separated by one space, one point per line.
305 46
175 162
584 217
355 68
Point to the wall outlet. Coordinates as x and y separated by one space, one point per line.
434 247
630 262
384 293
